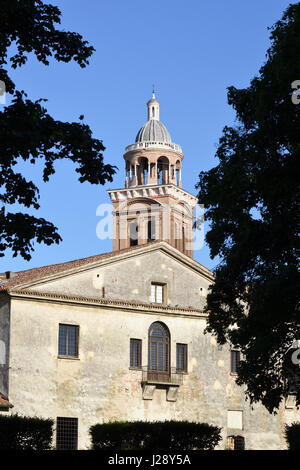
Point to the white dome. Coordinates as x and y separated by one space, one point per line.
153 131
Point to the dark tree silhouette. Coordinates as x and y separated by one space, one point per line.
28 132
252 203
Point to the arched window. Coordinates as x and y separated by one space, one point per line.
153 111
159 352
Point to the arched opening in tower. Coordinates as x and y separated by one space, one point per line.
130 173
133 232
143 171
163 170
151 235
178 172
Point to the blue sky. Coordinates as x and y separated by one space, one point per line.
192 51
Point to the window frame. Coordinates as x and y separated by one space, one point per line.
139 354
60 433
234 363
159 351
66 355
183 346
163 292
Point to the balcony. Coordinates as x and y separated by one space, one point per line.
158 377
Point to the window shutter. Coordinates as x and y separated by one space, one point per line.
71 341
62 340
230 443
153 293
239 443
159 296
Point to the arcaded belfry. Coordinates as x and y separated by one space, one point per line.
153 205
153 158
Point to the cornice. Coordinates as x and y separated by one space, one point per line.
152 309
149 191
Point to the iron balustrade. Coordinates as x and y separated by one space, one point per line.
172 377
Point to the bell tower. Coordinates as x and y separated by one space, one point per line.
153 205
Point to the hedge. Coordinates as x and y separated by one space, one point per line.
158 435
23 433
292 435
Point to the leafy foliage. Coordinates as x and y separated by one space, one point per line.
292 435
141 435
23 433
252 203
28 132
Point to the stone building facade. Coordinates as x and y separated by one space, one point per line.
120 335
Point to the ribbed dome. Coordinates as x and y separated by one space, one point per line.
153 131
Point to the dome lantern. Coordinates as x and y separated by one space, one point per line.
153 130
153 108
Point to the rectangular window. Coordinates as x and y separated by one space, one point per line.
235 361
181 357
66 433
157 293
136 353
68 340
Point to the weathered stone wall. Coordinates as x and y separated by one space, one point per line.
130 279
99 386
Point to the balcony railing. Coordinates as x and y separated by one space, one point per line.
172 377
143 145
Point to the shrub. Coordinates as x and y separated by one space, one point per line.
23 433
292 435
158 435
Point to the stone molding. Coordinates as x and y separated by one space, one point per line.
150 191
109 303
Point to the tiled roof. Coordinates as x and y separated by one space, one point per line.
44 271
34 274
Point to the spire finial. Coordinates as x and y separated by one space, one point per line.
153 94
